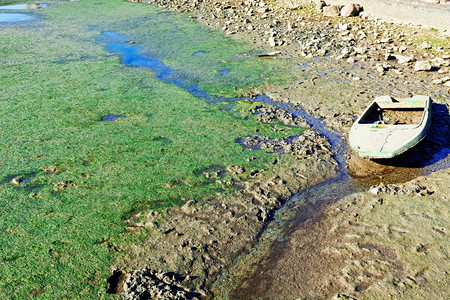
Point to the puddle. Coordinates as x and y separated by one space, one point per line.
19 17
24 6
112 117
14 17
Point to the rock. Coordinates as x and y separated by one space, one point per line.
383 67
272 42
402 59
440 62
320 4
292 4
322 52
332 10
188 207
425 45
441 81
389 56
374 190
360 50
423 65
290 26
350 10
344 27
16 181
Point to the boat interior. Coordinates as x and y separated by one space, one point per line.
393 114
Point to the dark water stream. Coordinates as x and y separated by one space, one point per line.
431 155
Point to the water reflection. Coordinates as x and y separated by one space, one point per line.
14 17
23 6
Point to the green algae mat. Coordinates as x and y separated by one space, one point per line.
86 141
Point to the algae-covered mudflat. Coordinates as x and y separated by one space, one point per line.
149 152
86 142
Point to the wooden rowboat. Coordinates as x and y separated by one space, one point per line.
389 127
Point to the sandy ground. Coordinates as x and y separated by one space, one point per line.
390 242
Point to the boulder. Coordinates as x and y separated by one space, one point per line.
423 65
332 10
350 10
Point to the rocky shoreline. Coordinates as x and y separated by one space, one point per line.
192 244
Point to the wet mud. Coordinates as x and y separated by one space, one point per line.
208 236
353 175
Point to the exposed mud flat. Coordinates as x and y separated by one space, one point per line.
390 241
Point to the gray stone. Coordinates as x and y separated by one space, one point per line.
402 59
272 42
320 4
423 65
350 10
332 10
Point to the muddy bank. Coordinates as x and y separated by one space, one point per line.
342 65
390 241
